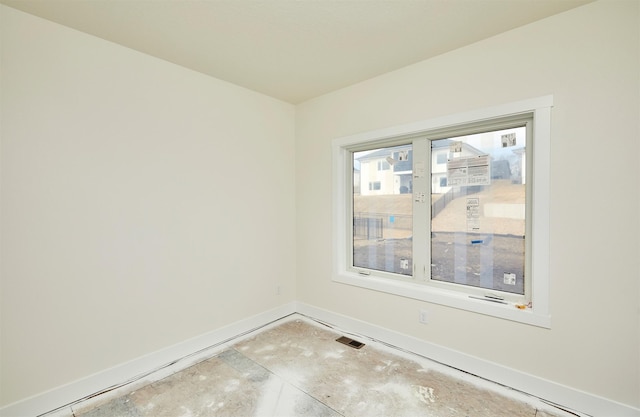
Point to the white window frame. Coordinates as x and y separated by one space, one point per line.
538 313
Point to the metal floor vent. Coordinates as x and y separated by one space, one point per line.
350 342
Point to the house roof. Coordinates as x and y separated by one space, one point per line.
382 153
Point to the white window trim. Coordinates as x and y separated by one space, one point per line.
539 314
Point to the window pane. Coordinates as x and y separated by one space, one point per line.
382 209
478 210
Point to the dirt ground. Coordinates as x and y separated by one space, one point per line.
477 259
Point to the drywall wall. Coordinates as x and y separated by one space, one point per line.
142 204
588 59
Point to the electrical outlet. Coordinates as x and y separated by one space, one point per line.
423 317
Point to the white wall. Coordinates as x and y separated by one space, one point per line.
588 58
132 191
142 204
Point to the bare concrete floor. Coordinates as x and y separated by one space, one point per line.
296 368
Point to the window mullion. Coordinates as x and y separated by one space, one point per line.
421 209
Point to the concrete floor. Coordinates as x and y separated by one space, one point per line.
296 368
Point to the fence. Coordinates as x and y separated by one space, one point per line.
367 225
451 195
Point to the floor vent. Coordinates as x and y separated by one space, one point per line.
350 342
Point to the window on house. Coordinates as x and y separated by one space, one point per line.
469 234
374 186
383 166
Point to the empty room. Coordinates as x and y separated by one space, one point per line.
320 208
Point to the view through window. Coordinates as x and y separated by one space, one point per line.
477 203
382 215
478 210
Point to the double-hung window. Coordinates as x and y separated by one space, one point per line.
458 214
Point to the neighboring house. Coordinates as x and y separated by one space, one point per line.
389 170
440 154
386 171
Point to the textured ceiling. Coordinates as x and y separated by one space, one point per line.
294 50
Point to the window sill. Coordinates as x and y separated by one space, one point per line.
453 299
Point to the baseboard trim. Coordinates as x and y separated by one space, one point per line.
562 395
82 388
550 391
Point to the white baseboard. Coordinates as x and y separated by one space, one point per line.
562 395
567 397
82 388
